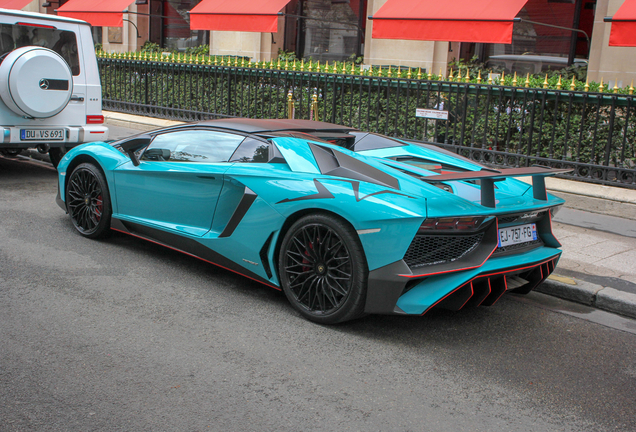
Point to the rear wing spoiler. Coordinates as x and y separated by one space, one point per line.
488 177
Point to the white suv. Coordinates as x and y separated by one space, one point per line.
50 94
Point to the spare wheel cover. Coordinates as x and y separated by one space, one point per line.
36 82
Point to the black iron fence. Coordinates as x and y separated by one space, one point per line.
592 133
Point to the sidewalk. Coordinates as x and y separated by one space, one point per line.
597 228
597 268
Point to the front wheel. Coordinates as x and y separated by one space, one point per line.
88 201
323 269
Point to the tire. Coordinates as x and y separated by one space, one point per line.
56 155
323 269
88 201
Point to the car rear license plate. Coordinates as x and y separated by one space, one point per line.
42 134
517 234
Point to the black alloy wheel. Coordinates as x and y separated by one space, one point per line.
323 269
88 201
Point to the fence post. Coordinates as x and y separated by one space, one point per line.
290 105
146 77
313 113
229 88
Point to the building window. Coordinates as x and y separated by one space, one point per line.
536 48
176 26
329 30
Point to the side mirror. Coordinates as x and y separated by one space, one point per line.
134 144
157 154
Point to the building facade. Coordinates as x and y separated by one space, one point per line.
551 34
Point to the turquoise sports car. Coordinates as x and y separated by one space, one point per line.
344 222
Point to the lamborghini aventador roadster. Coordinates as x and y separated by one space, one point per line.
344 222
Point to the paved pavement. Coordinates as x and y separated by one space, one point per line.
597 268
597 228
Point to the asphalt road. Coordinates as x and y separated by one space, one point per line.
121 334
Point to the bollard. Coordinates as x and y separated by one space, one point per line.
313 112
291 111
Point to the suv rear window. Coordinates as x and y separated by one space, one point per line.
63 42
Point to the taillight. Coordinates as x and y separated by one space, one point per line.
94 119
451 224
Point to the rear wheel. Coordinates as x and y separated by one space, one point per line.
88 201
323 269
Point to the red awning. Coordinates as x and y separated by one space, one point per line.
14 4
623 31
486 21
237 15
100 13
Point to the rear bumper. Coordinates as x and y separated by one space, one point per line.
390 292
73 135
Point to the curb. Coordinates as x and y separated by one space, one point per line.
605 298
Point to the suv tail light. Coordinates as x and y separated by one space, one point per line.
94 119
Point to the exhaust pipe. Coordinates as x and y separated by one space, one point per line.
43 148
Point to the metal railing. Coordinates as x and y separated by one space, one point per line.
592 133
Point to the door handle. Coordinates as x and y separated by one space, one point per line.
77 98
207 177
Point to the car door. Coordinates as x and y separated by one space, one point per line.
178 180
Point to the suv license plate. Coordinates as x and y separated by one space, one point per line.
517 234
42 134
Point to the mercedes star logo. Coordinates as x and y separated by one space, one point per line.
44 84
